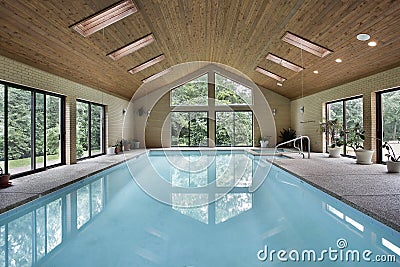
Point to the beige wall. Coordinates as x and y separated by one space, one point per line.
282 106
19 73
315 105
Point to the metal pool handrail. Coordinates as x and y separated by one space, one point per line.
301 144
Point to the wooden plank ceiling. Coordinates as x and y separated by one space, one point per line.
238 33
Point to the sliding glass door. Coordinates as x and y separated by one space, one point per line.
348 112
388 125
30 129
90 121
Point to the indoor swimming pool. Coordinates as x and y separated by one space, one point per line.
193 208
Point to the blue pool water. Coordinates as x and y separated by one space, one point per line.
212 210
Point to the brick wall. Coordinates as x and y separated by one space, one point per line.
307 123
19 73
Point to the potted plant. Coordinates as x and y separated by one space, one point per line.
135 143
264 141
355 138
126 145
333 128
287 135
4 178
393 163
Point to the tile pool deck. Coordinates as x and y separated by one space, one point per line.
368 188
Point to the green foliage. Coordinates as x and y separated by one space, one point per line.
391 115
82 128
189 128
194 92
230 92
332 128
234 128
355 137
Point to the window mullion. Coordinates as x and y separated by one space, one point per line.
345 126
89 129
45 131
6 129
33 130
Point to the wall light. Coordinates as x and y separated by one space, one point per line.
274 112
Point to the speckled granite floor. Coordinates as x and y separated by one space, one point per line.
368 188
32 186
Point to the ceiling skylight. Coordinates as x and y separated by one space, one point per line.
155 76
270 74
284 63
105 18
147 64
132 47
305 45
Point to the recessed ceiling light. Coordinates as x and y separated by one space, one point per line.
147 64
132 47
306 45
315 72
157 75
363 37
105 18
270 74
338 60
279 84
284 63
372 43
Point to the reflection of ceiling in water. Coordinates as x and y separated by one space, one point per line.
228 170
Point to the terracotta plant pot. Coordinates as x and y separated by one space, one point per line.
4 179
127 147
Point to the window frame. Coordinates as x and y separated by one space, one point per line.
191 111
103 130
33 92
234 128
379 123
190 105
231 105
343 100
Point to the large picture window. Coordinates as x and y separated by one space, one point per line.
30 129
90 121
229 100
193 93
234 128
348 112
189 129
229 92
388 125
